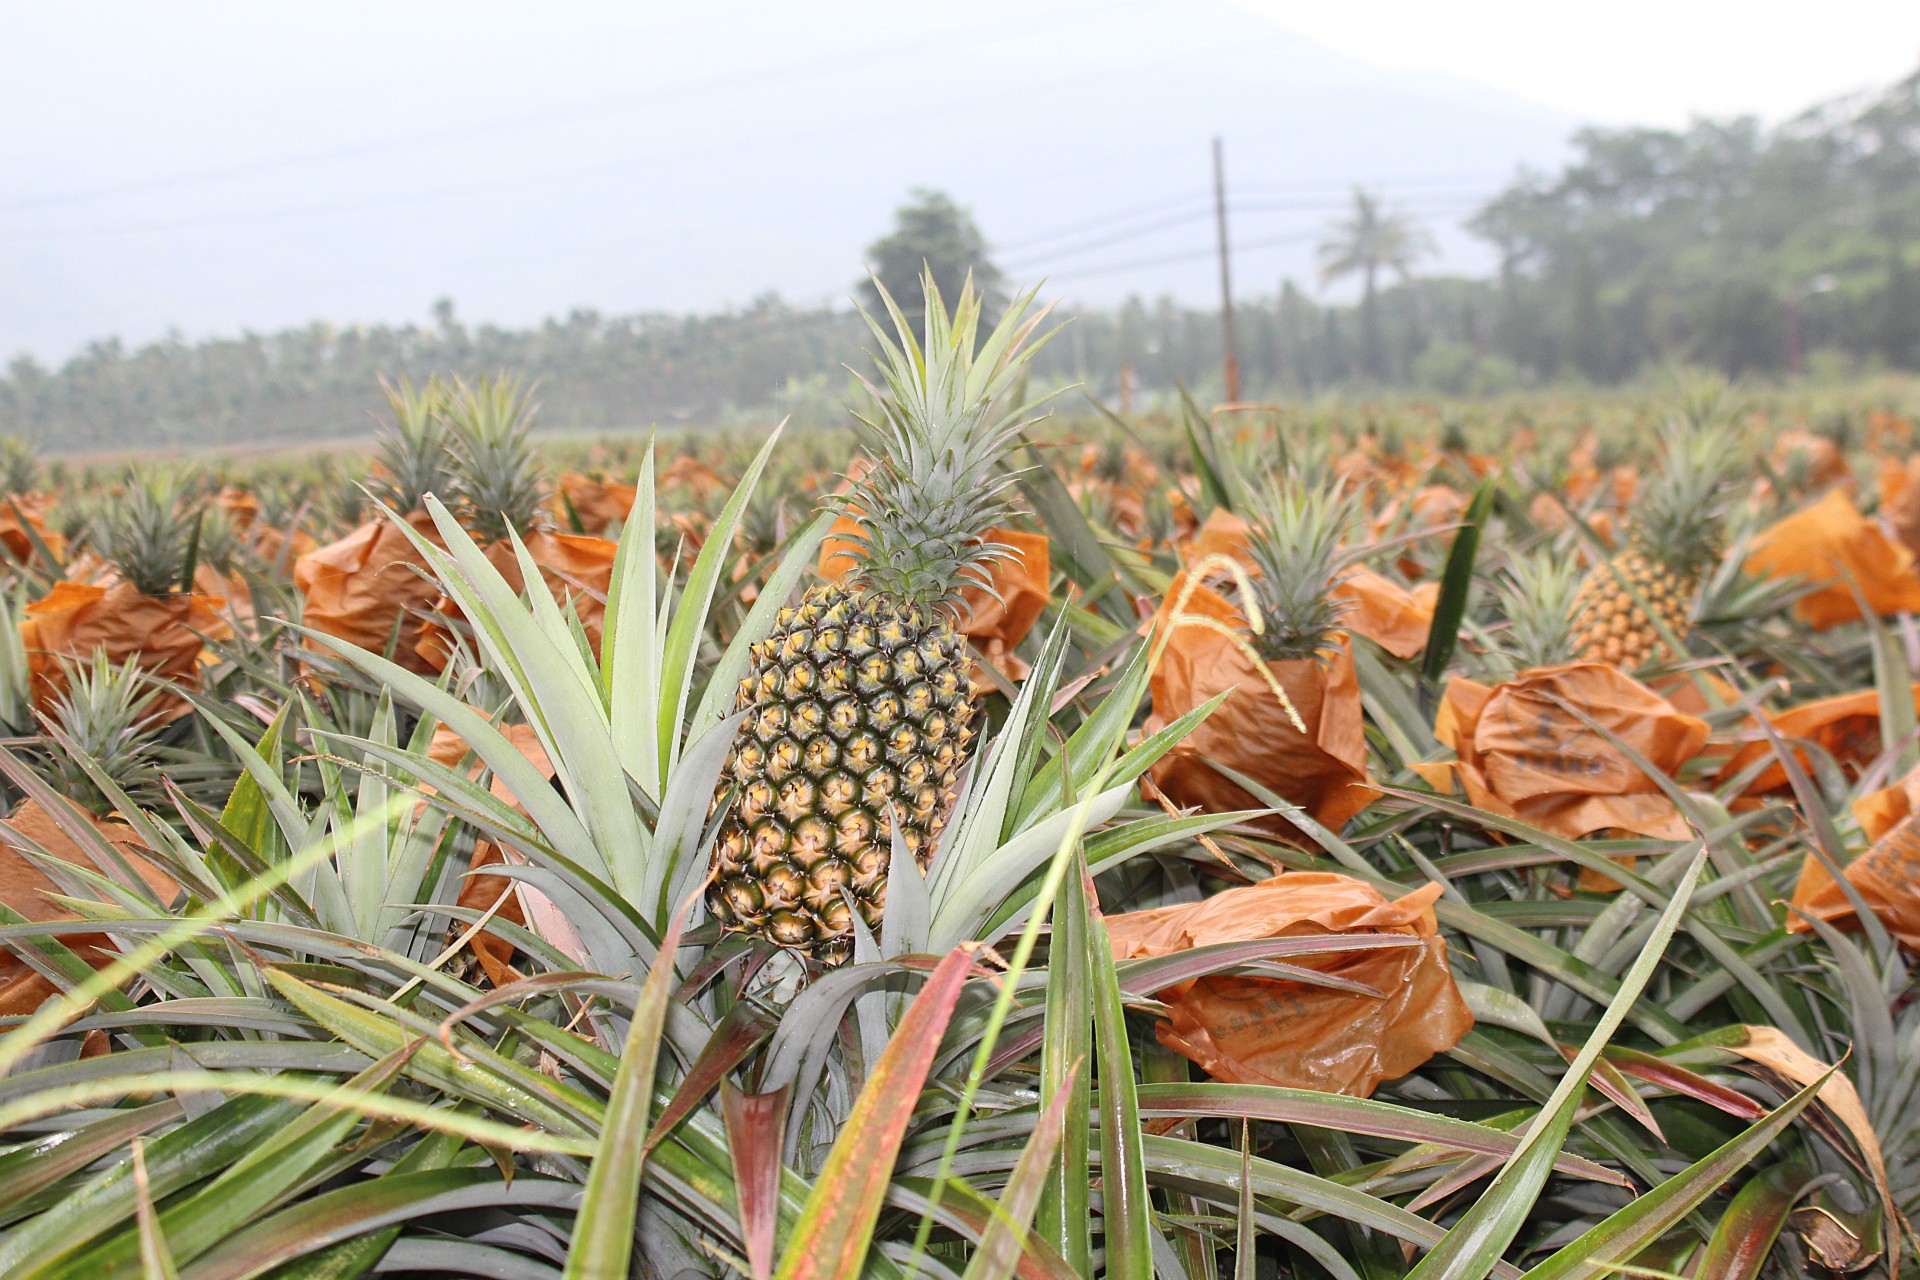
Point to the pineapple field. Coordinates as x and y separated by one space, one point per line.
1006 836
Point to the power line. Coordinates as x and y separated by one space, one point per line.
1101 222
1431 204
758 77
1331 199
836 128
1177 220
1028 261
1192 255
1386 185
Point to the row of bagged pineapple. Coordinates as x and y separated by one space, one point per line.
1286 587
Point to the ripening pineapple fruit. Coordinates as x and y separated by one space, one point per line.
858 709
1673 537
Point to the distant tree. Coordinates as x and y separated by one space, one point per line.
1588 329
936 232
1366 242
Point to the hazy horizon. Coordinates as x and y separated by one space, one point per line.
210 168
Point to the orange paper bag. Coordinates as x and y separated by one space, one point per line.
482 892
1386 613
365 585
1887 878
1833 546
1250 1030
600 504
1021 584
25 888
22 520
1883 875
1879 812
1323 770
1525 755
687 471
1900 503
1846 727
164 634
573 566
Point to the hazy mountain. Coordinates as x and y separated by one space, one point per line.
211 167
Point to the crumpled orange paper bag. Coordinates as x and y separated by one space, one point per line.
573 565
1222 534
1386 613
1846 727
279 548
480 892
1251 1030
1523 755
1378 608
996 627
24 887
165 634
362 586
1900 503
601 504
1122 503
1832 545
1886 876
15 523
1323 770
689 472
1879 812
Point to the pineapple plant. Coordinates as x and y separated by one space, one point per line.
1295 541
1292 721
106 716
151 537
19 467
412 455
1673 536
858 712
498 482
1538 602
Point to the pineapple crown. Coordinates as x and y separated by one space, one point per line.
1679 516
413 449
150 535
1296 534
105 717
19 466
497 483
948 412
1539 599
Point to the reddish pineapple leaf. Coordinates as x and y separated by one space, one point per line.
1686 1083
756 1123
836 1225
1746 1232
732 1042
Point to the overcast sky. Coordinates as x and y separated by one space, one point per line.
212 165
1630 61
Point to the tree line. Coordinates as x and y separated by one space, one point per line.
1759 251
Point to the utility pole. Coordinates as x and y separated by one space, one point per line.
1226 277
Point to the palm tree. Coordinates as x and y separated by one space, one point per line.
1370 239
